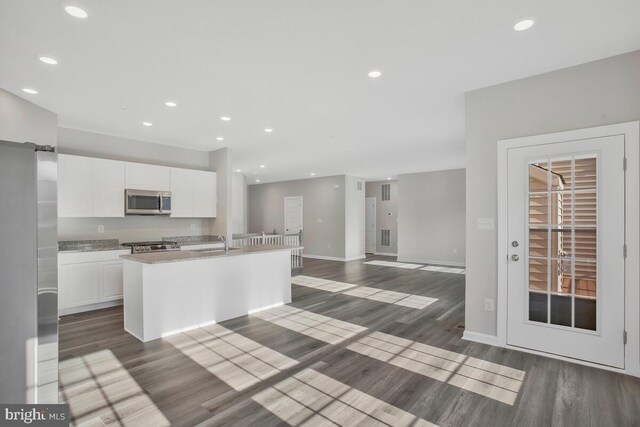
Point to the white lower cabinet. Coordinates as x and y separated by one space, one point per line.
111 280
79 285
89 280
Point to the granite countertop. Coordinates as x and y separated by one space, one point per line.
174 256
193 240
90 245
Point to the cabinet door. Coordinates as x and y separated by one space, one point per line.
147 177
75 186
111 280
182 193
204 192
79 285
108 188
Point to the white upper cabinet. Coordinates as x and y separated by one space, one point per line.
181 193
147 177
75 186
89 187
108 188
193 193
204 194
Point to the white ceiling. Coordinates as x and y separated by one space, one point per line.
297 66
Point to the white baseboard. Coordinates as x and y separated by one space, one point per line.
481 338
385 254
432 261
332 258
90 307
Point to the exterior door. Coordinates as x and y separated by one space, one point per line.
370 225
566 236
292 214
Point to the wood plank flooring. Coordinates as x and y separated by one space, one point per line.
390 365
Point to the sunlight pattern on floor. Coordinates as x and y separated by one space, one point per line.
236 360
395 264
444 269
322 284
478 376
375 294
100 391
316 326
313 399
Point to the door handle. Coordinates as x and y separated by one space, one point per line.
515 257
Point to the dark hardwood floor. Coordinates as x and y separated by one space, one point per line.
393 365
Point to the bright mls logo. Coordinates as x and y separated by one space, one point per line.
34 415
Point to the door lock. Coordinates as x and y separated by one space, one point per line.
515 243
515 257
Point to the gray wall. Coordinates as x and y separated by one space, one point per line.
323 212
386 214
354 218
221 162
91 144
598 93
431 217
239 203
71 141
22 121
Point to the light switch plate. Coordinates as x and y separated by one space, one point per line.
485 224
101 229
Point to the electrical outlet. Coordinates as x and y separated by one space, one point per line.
193 228
488 304
485 223
101 229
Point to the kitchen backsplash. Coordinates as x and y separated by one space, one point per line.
131 228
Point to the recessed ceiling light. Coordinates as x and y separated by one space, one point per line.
263 166
374 74
219 138
48 60
170 104
525 24
389 178
268 130
76 12
257 180
238 170
147 124
30 91
225 118
312 174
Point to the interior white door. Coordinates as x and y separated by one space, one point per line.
370 225
292 214
566 234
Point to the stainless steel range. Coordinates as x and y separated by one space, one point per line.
152 246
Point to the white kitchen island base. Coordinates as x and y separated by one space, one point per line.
163 297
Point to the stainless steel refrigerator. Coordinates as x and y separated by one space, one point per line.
28 274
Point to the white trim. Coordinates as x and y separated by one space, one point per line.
481 338
89 307
385 254
332 258
432 262
631 132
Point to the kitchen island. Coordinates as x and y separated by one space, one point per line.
171 292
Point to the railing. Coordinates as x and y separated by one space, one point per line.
241 240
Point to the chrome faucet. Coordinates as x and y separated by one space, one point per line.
226 245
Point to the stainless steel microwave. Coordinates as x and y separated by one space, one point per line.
142 202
